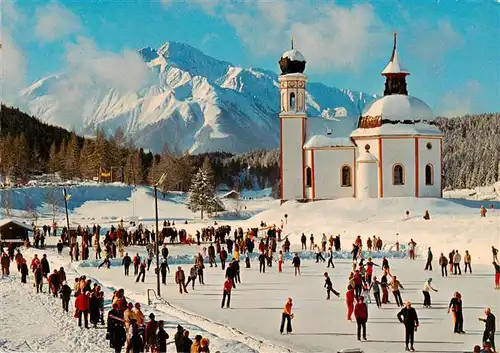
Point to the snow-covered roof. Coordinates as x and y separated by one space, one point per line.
331 132
293 54
366 156
21 224
399 107
399 129
227 194
395 66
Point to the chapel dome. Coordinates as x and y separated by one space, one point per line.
292 62
398 108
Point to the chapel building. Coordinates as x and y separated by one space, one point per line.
394 149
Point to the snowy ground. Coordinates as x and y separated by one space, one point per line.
252 324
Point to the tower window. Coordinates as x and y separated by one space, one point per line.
398 176
429 174
346 176
292 101
308 177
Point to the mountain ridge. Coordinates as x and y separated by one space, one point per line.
190 101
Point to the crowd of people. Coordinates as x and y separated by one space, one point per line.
127 326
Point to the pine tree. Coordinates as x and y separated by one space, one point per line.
72 157
53 161
202 191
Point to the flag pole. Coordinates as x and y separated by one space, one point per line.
66 207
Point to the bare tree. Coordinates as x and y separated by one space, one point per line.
54 200
237 205
7 202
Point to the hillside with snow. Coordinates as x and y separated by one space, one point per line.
186 99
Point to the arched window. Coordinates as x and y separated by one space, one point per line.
398 175
308 177
346 176
292 101
429 174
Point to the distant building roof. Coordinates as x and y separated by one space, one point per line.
21 224
230 194
331 132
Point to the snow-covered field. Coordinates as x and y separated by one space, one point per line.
253 322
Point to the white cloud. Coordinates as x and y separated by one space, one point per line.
12 59
54 22
12 69
89 74
461 101
330 36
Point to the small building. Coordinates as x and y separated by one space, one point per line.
233 194
13 231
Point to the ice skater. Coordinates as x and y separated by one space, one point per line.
408 316
349 301
319 255
395 285
226 293
330 258
287 316
361 315
427 293
456 309
329 287
489 328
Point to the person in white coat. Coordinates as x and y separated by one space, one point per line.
456 263
427 292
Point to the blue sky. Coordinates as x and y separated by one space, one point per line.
450 47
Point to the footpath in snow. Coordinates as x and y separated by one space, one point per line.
34 322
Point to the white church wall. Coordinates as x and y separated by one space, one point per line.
398 151
292 158
327 173
429 156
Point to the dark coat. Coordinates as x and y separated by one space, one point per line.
65 292
186 344
178 340
161 340
45 265
408 317
118 336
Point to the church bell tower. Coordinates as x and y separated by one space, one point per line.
292 124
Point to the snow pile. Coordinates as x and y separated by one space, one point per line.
480 193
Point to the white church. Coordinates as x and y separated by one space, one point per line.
394 151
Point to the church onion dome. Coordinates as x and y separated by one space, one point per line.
292 62
398 108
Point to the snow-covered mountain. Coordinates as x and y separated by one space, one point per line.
191 102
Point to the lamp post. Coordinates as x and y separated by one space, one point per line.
157 240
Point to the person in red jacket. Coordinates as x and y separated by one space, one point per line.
349 301
358 283
82 304
361 315
228 285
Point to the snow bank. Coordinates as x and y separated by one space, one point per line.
188 259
